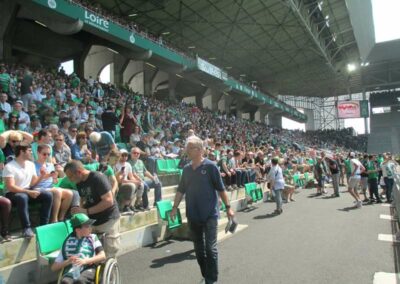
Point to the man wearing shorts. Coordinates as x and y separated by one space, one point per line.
355 178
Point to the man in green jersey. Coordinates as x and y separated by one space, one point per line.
372 171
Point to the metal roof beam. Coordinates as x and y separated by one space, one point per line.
304 16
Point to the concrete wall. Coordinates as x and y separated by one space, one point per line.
385 133
98 57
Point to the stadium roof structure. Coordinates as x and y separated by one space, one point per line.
288 47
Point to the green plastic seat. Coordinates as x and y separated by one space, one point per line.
251 190
177 161
49 240
171 167
164 207
161 166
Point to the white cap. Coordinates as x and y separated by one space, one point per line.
123 151
352 154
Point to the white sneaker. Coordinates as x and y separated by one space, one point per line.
359 204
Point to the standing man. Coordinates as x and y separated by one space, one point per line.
335 174
97 202
372 170
355 178
200 183
102 143
277 182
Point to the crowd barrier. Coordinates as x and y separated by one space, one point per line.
396 196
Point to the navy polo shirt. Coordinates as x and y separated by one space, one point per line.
200 187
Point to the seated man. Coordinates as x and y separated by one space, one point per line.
152 182
82 249
127 184
20 177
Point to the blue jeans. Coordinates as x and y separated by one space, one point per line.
152 165
157 192
389 187
204 236
240 178
21 200
278 198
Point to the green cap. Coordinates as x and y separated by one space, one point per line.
81 219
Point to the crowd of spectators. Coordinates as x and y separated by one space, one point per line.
86 120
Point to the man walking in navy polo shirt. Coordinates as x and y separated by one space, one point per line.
201 184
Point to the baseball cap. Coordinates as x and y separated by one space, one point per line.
123 151
81 219
352 154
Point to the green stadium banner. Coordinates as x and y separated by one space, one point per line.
113 30
364 108
267 100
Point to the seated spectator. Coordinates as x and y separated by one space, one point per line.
130 185
228 174
20 179
5 210
35 125
10 139
81 150
61 152
13 121
81 248
44 137
62 198
4 104
151 182
24 119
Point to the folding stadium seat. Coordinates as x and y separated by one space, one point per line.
164 209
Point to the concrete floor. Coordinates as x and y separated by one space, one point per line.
315 240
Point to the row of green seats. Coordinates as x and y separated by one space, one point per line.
254 191
168 166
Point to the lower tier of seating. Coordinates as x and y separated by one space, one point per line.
18 258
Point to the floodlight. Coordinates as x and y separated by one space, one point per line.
351 67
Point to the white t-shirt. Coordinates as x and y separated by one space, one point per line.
128 169
22 175
354 163
387 169
275 174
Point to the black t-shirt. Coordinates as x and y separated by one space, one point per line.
26 83
91 190
334 170
8 153
109 120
